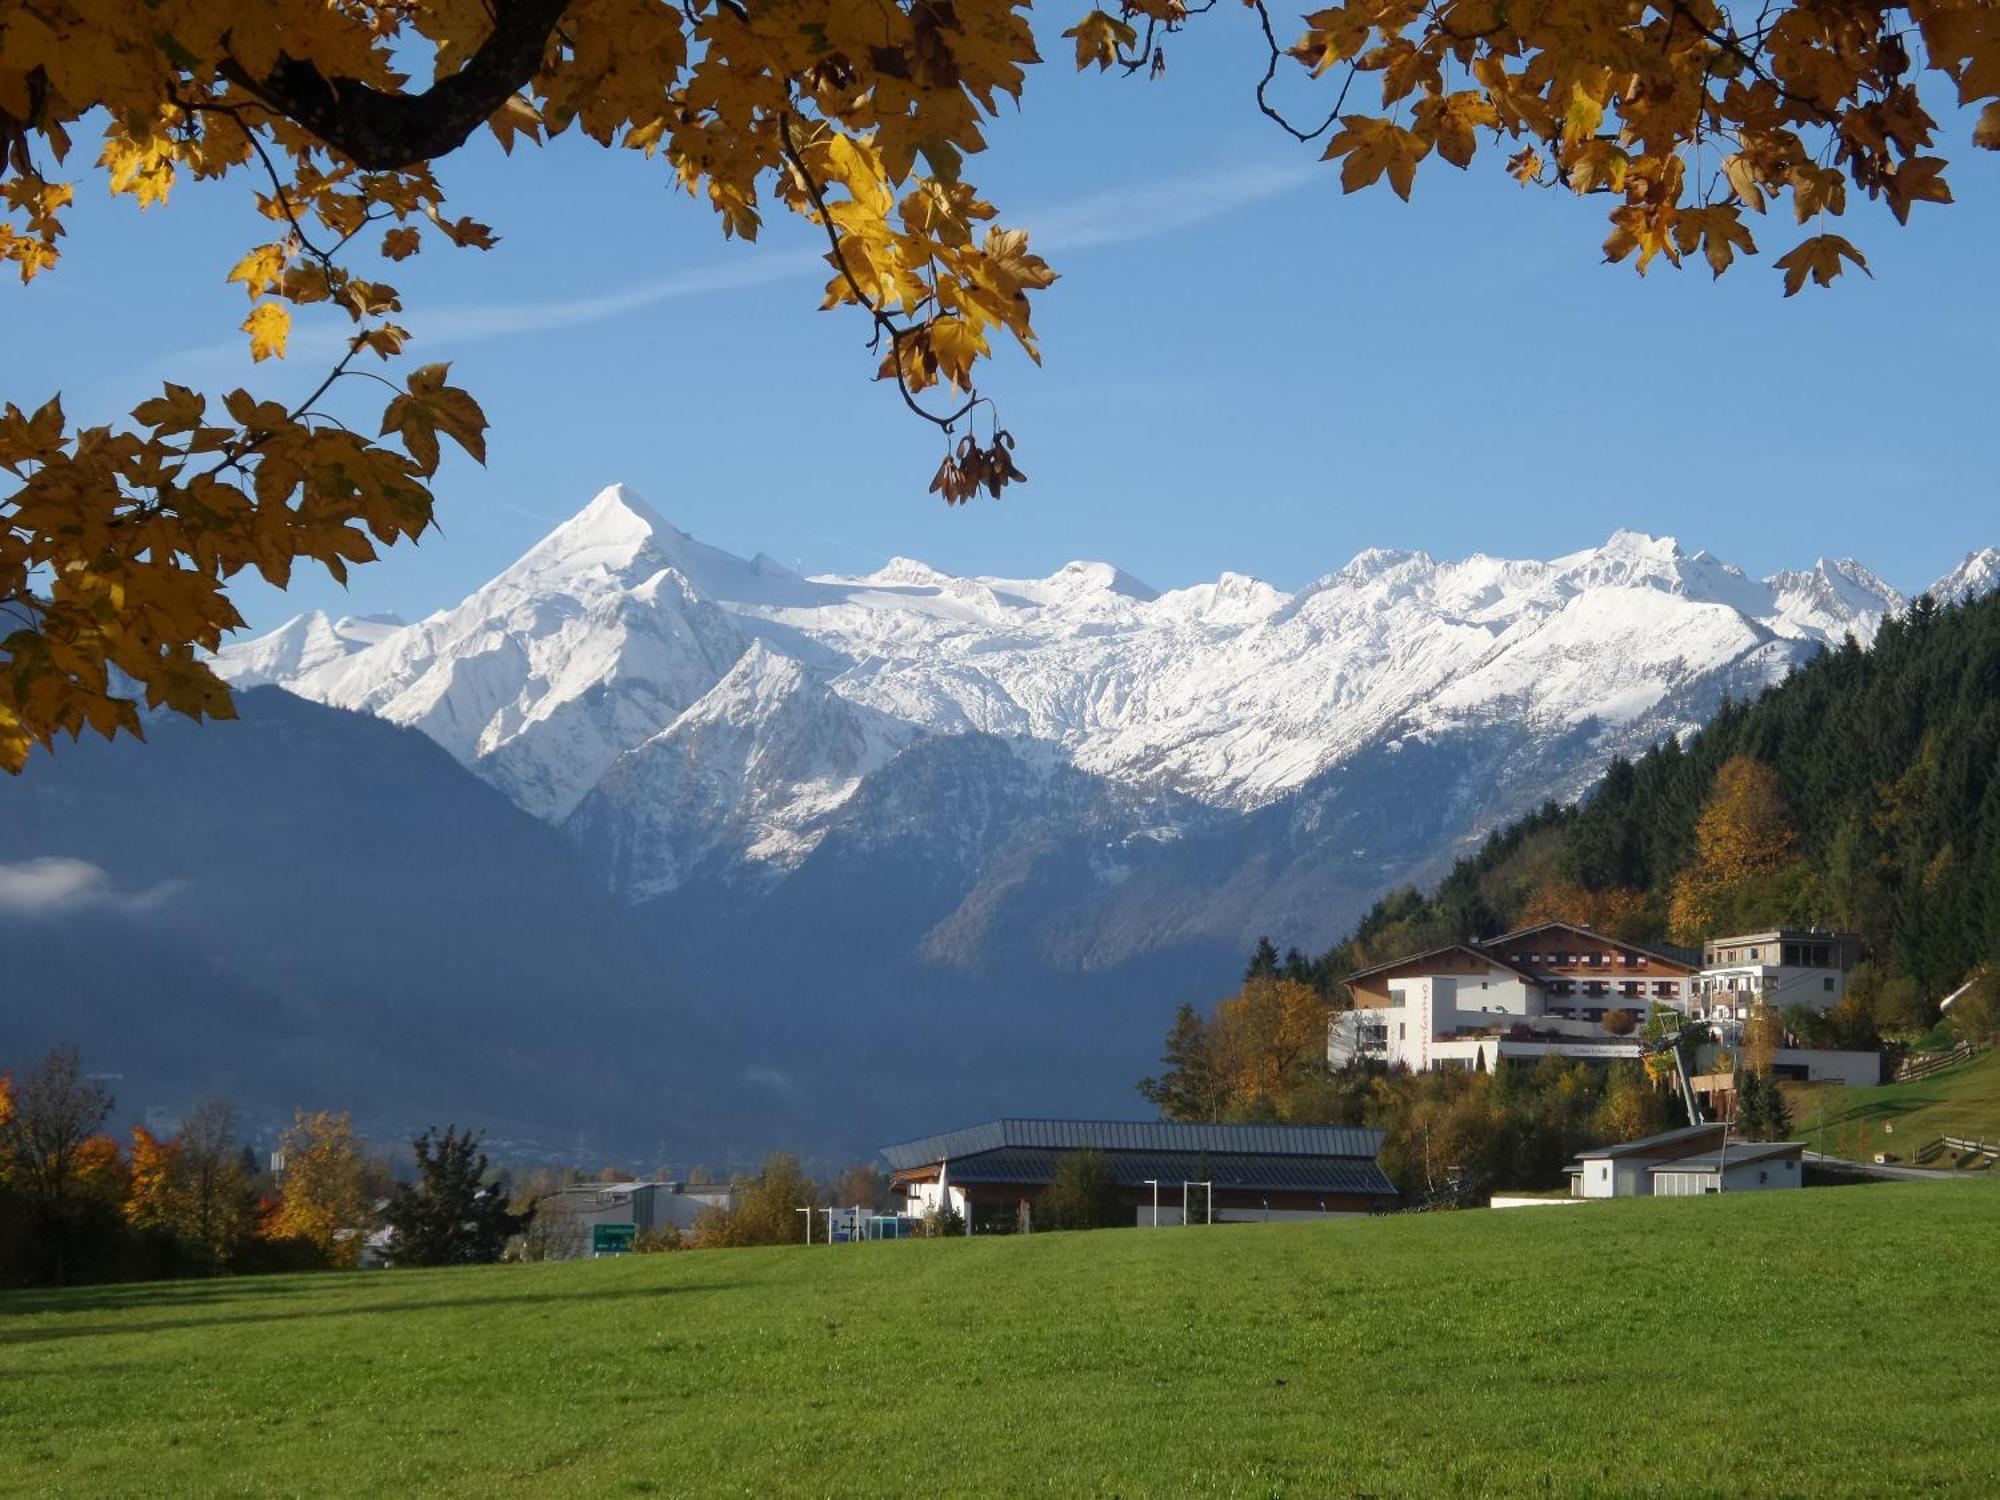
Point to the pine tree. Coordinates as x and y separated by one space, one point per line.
1263 962
451 1216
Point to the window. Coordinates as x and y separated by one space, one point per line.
1402 1031
1827 983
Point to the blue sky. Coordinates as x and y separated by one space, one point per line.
1244 369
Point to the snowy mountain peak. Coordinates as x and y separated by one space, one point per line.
1378 562
1829 599
677 698
1082 578
761 678
907 570
303 644
1978 574
1642 544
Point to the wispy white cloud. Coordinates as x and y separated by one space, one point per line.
54 884
1149 210
1116 216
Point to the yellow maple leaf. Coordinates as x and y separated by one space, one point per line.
1372 147
1099 38
268 325
259 269
1819 257
401 243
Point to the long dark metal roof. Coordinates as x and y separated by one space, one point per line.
1032 1165
1739 1155
1688 1133
1137 1135
1673 953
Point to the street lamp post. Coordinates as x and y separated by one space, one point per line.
1154 1184
809 1222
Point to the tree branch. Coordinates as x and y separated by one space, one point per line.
387 132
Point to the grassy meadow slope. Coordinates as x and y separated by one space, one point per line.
1962 1101
1775 1343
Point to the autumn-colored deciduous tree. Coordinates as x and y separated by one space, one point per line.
1763 1035
1618 911
862 1186
218 1193
1743 837
323 1201
157 1195
1690 119
54 1160
1263 1036
765 1211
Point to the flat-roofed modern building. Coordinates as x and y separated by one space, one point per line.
985 1172
1780 968
573 1218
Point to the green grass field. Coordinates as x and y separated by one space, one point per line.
1961 1101
1834 1341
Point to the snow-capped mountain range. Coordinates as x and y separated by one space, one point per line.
687 709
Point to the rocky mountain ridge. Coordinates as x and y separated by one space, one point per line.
688 714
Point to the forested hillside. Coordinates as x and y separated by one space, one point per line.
1863 793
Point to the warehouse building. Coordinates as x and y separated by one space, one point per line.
1164 1169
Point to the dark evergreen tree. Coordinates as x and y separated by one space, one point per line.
1081 1195
451 1216
1263 963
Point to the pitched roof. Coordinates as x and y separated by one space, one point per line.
1473 948
1244 1171
1136 1135
1649 1142
1686 958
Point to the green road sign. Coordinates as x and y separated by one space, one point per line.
612 1239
